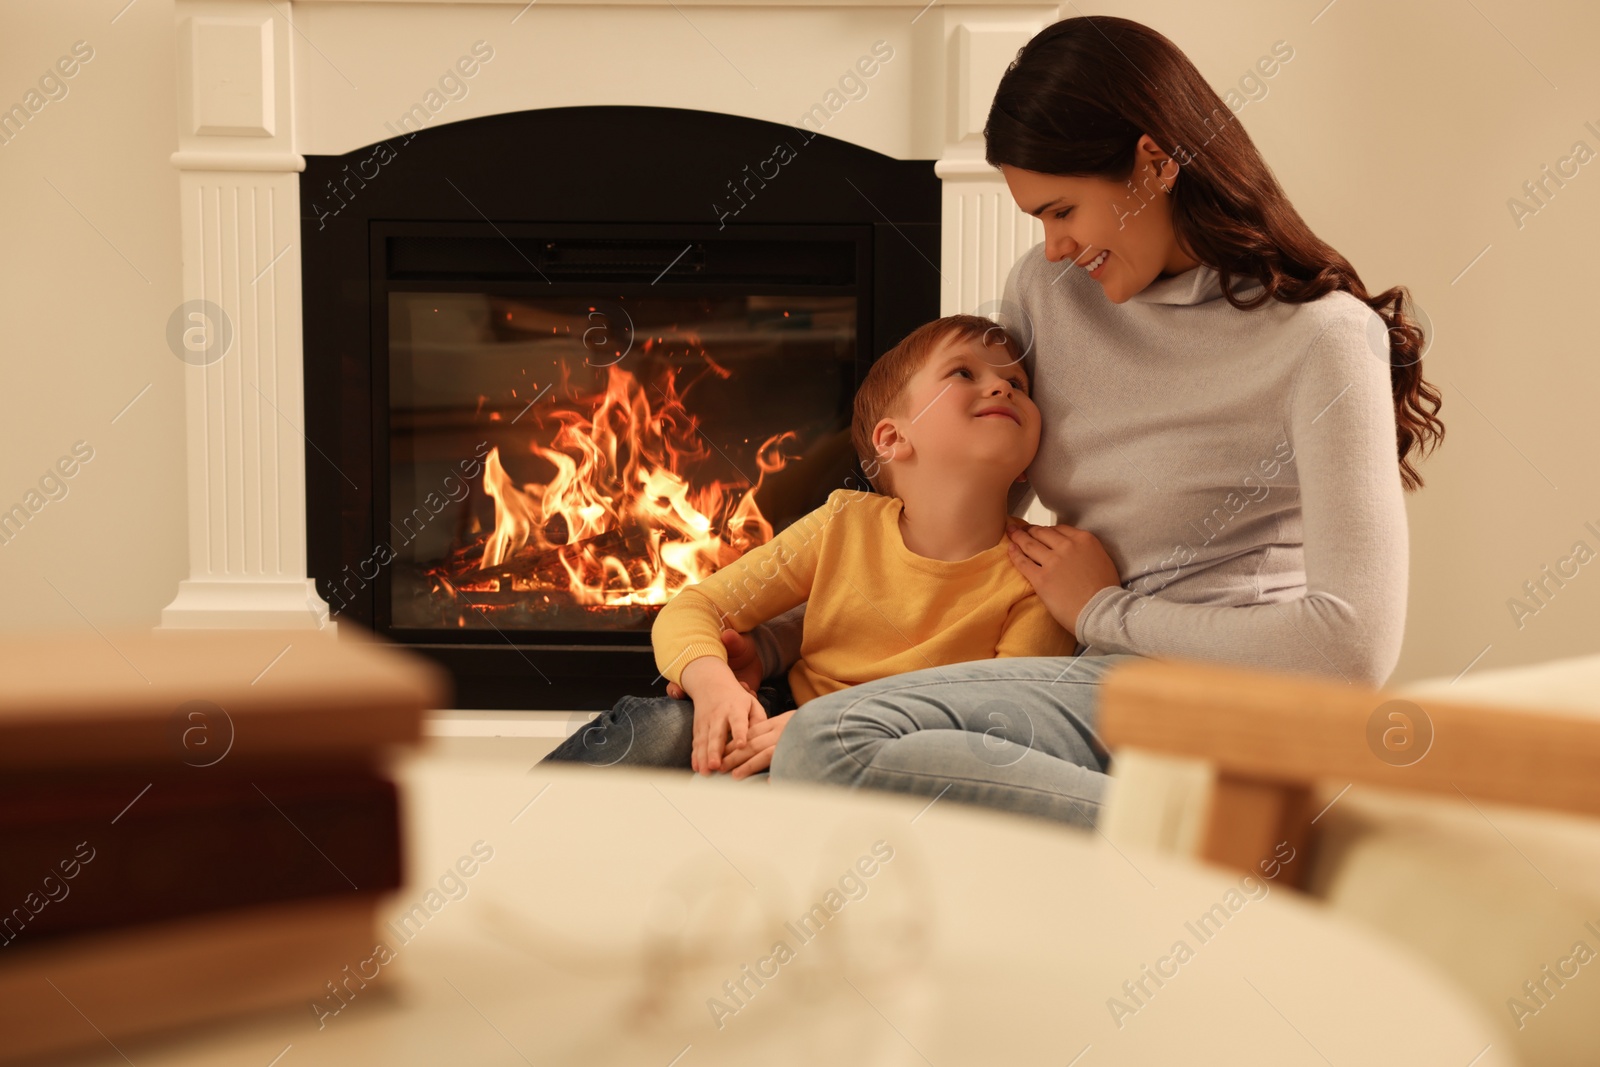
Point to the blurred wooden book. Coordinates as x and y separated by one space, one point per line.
207 698
193 823
184 845
96 989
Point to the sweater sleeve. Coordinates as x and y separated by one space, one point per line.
1031 630
778 641
764 582
1350 620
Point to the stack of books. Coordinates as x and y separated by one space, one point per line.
193 824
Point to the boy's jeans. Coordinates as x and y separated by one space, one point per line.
1016 734
652 731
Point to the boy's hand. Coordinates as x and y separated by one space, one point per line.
731 711
722 707
755 755
743 660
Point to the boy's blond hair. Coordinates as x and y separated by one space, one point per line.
885 385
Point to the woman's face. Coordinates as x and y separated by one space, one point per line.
1130 223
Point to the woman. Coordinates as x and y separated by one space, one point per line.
1229 421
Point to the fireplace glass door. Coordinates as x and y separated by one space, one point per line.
564 457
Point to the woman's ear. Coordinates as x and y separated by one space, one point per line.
1162 165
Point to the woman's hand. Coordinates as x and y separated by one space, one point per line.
1065 565
756 753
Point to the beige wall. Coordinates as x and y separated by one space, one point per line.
1400 132
84 300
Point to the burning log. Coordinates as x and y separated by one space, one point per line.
541 570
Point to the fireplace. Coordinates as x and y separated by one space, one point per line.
630 152
542 399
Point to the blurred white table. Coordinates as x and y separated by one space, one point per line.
617 904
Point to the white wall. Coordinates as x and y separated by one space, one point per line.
1399 131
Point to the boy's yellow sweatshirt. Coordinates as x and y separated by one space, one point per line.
874 608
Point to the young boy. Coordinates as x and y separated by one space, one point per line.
914 575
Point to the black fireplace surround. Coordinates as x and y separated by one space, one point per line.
456 278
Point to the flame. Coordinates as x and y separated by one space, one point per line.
621 521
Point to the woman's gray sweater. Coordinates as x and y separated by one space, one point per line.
1240 468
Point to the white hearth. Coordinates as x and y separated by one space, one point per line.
262 84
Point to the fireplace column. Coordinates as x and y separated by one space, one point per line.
239 328
983 232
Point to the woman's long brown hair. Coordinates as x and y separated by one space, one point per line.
1075 102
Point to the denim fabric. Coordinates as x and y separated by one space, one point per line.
652 731
1016 734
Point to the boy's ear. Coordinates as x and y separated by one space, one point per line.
888 442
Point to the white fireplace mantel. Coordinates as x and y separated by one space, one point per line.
262 83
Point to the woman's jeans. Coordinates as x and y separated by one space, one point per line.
1016 734
652 731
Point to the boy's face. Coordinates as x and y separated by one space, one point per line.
967 407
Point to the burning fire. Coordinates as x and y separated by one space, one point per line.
621 522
